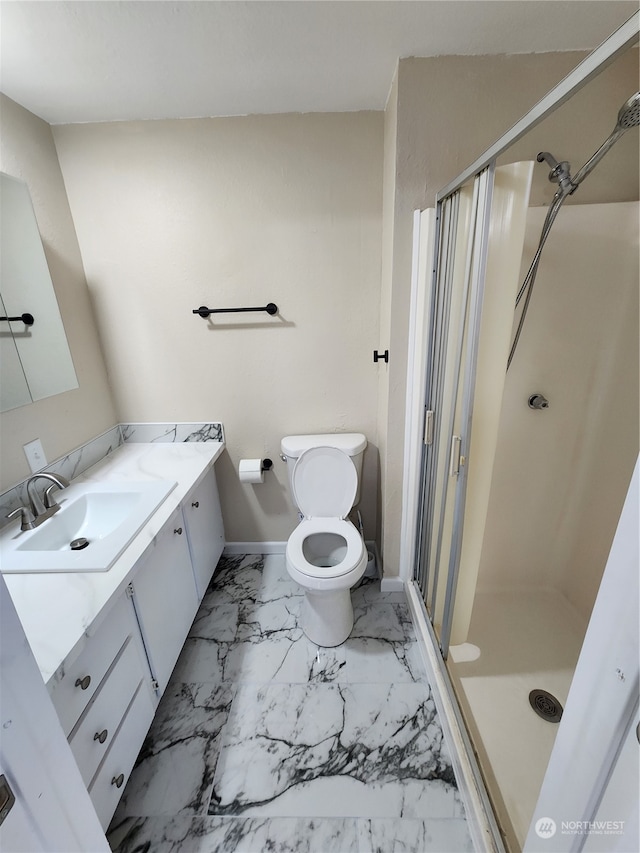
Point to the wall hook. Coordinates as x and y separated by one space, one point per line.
381 356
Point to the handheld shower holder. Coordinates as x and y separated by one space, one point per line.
560 172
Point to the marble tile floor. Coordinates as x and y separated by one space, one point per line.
265 742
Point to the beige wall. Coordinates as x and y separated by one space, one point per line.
449 109
66 420
172 215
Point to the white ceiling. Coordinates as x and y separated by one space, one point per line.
106 60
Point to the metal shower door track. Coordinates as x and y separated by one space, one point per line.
592 65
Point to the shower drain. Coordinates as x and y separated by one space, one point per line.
545 705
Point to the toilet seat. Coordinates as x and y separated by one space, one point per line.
324 483
352 559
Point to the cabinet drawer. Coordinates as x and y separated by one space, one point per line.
95 732
71 695
109 782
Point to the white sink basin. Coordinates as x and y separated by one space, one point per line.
106 515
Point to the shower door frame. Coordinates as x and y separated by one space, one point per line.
481 820
618 42
459 366
420 503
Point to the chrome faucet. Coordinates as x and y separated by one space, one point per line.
39 510
38 507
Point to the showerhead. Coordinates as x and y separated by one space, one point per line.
629 115
628 118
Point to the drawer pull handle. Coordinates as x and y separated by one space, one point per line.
7 798
118 780
101 736
83 683
178 530
196 504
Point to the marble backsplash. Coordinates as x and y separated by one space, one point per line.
150 433
83 457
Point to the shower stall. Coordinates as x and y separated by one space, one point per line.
559 480
529 444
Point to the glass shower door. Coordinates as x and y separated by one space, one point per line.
456 310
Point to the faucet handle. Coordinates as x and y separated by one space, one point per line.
27 518
49 499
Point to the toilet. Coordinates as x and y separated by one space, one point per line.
325 554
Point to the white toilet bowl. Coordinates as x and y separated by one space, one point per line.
325 554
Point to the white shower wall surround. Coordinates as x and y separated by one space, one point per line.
555 502
83 457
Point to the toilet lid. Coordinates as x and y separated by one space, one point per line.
324 482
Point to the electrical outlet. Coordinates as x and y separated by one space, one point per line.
35 455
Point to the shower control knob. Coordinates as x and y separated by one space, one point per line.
537 401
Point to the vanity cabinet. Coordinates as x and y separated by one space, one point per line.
106 697
165 598
205 532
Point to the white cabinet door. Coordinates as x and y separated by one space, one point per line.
205 531
165 598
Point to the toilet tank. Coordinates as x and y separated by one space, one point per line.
351 443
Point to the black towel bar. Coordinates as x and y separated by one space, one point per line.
27 319
271 308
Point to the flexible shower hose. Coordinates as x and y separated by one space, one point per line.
529 281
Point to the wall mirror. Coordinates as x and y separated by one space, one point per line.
35 361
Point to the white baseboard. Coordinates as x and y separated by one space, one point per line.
255 547
392 584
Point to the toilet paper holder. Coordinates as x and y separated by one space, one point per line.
251 471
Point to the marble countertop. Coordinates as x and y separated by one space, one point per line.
60 611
